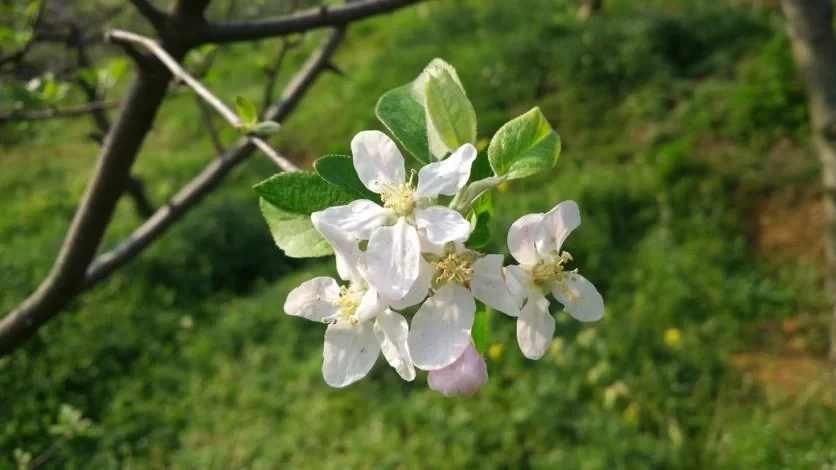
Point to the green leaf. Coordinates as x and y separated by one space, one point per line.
294 233
339 170
301 192
438 65
266 128
480 331
402 112
246 111
524 146
480 216
449 112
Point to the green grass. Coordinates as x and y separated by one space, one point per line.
184 359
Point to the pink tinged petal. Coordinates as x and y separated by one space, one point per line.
313 299
357 220
579 298
463 377
349 354
489 285
393 259
392 331
442 225
441 328
370 306
535 327
447 176
557 224
519 283
419 290
521 237
377 160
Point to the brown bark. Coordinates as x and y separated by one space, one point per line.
810 24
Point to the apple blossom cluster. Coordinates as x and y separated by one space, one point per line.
408 242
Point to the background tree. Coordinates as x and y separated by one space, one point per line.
810 24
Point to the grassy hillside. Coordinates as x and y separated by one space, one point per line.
684 132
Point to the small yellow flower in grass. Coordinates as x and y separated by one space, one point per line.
495 351
672 338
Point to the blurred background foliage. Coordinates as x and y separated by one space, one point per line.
685 144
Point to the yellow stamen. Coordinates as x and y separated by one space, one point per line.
453 268
348 302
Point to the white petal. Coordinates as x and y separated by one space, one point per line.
441 328
377 160
346 249
370 306
447 176
535 327
313 299
349 353
428 246
356 220
557 224
519 283
443 225
521 238
392 331
393 259
419 290
489 285
579 298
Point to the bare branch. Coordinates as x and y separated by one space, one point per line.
208 121
213 174
319 17
193 83
154 16
52 113
110 176
273 72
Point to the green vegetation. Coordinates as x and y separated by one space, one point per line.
676 121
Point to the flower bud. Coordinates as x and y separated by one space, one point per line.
463 377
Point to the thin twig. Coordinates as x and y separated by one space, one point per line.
208 121
207 96
213 174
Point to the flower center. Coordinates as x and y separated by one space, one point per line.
453 268
347 303
552 270
400 198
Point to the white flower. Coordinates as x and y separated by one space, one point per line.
361 322
534 241
394 251
440 329
463 377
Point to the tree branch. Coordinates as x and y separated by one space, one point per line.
110 176
234 31
207 96
154 16
810 24
213 174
